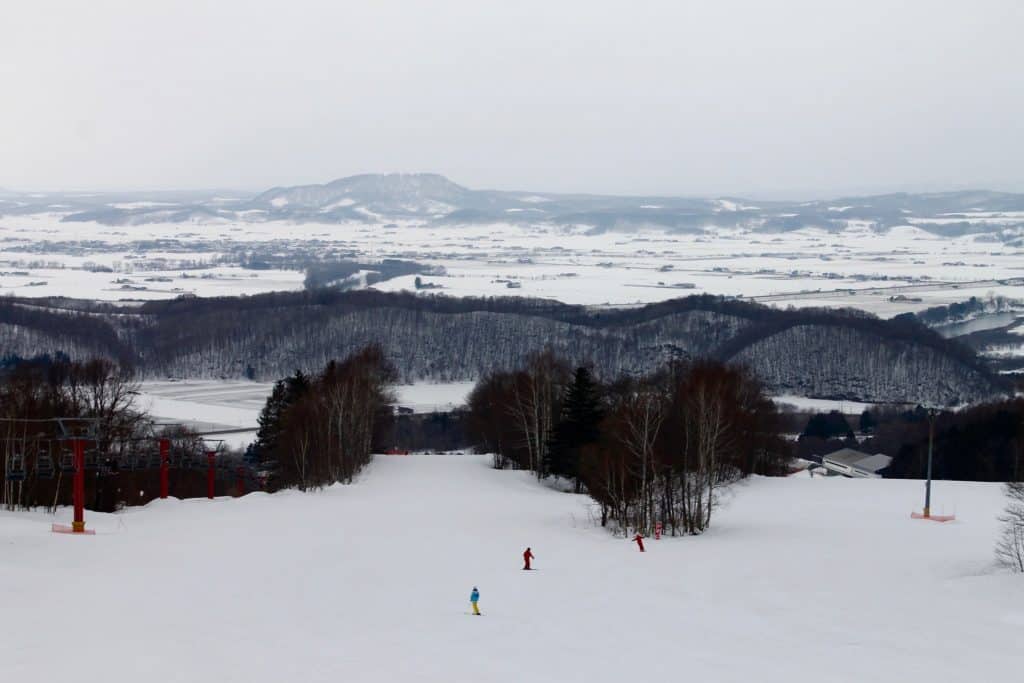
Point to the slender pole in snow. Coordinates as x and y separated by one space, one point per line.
928 482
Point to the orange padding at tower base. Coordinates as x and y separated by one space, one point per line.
65 529
934 518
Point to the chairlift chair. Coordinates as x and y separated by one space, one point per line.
45 468
107 466
67 460
174 458
125 461
14 469
221 469
135 461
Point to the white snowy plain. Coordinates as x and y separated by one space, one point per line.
817 580
886 272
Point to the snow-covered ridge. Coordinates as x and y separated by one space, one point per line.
384 198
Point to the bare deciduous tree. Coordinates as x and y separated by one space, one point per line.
534 407
1010 547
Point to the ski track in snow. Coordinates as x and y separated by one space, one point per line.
799 580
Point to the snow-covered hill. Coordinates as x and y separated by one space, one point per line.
799 580
362 196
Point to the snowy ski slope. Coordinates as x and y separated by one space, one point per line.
799 580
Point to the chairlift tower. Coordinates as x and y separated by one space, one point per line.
75 431
932 414
928 479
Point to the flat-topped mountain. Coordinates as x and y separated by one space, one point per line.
362 196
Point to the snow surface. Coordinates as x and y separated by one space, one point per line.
820 405
799 580
426 397
861 266
231 408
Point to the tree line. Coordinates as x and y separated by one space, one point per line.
314 430
322 429
839 354
650 449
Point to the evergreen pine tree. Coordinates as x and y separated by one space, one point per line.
285 393
868 422
578 426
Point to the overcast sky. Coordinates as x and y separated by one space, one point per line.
757 98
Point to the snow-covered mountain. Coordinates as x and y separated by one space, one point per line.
432 198
416 194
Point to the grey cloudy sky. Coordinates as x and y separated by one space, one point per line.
758 97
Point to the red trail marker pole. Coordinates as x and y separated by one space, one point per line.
210 474
165 463
78 486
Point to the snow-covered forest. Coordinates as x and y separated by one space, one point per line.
828 354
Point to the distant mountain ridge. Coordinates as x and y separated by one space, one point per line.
430 198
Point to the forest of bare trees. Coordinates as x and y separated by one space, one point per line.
839 354
648 450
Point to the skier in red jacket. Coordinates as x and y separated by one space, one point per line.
527 556
639 541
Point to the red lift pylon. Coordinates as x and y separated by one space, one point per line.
211 474
165 466
34 449
77 493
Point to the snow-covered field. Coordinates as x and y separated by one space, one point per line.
800 580
820 405
898 270
228 409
